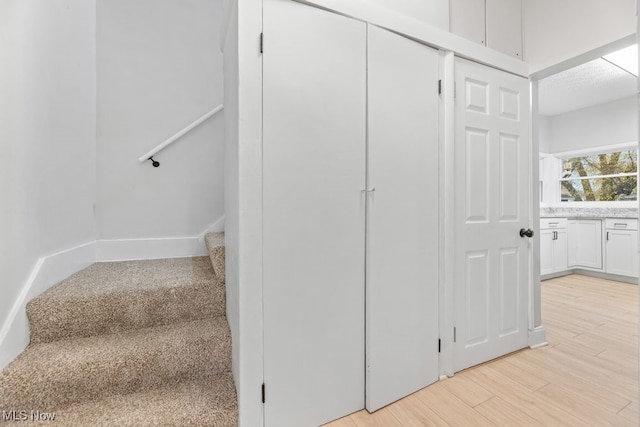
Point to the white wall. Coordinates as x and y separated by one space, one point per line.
47 135
159 67
544 134
231 176
609 124
605 124
555 31
243 203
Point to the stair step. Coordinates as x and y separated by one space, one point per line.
209 401
52 375
112 297
215 245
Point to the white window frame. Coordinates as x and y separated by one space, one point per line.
551 176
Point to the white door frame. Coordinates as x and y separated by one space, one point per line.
447 212
536 329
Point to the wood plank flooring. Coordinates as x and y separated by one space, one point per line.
587 375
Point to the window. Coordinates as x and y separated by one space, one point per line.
600 177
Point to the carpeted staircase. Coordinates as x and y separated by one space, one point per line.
131 343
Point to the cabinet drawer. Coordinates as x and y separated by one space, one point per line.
551 223
621 224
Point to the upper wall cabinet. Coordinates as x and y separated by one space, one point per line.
493 23
467 19
504 26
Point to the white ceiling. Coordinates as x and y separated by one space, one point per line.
593 83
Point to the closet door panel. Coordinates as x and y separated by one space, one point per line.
314 145
402 237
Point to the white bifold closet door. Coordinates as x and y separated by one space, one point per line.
492 196
314 146
327 92
402 218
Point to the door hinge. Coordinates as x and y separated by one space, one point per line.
439 344
439 87
263 393
454 334
261 42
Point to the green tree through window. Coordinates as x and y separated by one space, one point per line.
600 177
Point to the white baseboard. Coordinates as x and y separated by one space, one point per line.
49 270
592 273
134 249
537 337
216 227
155 248
606 276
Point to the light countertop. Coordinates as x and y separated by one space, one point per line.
579 212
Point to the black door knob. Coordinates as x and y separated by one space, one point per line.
526 232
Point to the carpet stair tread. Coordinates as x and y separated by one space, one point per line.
50 375
118 296
215 245
207 401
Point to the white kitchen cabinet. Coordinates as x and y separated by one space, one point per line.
553 245
493 23
585 243
621 247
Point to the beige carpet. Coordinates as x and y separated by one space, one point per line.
128 344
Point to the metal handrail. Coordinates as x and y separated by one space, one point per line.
149 155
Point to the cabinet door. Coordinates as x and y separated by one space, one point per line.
585 243
314 136
546 251
560 251
504 26
553 251
402 215
622 252
467 19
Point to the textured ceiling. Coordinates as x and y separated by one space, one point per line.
589 84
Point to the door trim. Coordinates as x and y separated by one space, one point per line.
447 211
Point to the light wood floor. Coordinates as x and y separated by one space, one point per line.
587 375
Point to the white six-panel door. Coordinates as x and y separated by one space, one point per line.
314 68
402 215
492 205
